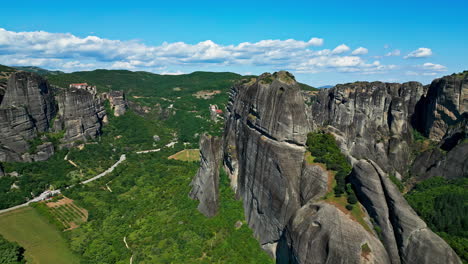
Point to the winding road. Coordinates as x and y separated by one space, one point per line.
46 194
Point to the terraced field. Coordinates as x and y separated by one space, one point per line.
67 213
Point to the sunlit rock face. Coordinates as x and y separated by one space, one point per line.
26 109
264 144
29 107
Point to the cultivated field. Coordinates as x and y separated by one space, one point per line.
42 241
67 213
187 155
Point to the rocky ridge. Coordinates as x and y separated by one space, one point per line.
30 108
374 123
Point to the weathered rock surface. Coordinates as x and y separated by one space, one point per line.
26 109
264 139
264 151
405 236
374 119
80 114
444 105
118 102
205 185
321 233
435 162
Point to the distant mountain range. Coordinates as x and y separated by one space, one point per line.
37 70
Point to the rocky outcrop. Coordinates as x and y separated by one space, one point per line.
26 109
264 145
80 115
405 236
437 162
205 185
117 102
372 119
321 233
264 150
444 105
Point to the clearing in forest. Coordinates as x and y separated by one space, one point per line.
186 155
68 214
41 240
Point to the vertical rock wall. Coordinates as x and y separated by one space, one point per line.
205 185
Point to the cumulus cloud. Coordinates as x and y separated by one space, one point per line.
419 53
68 52
393 53
341 49
360 51
433 67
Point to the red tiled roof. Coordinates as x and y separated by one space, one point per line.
79 84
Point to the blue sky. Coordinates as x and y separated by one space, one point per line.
321 42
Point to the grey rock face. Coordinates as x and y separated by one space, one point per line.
26 109
444 105
321 233
264 151
450 165
405 236
205 185
264 140
374 119
313 182
118 102
80 115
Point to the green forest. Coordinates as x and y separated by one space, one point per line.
443 205
10 252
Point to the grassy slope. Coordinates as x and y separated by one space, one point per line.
187 155
42 241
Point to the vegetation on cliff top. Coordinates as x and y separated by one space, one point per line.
324 150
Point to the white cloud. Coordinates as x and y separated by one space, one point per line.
360 51
172 73
393 53
316 41
433 67
419 53
340 49
68 52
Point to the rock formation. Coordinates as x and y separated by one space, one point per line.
205 185
320 233
80 115
371 119
264 146
117 102
444 105
265 137
28 108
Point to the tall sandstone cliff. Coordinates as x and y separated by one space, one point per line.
264 145
29 107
